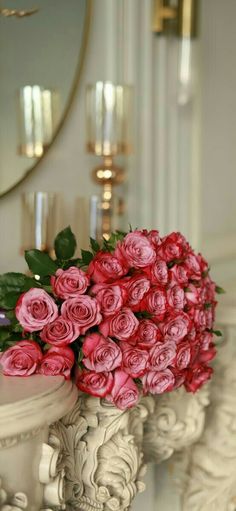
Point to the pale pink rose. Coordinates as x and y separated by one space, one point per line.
200 319
162 355
95 384
183 355
192 295
136 249
125 393
175 297
34 309
193 267
134 360
83 310
155 302
197 376
210 317
176 327
60 332
137 287
178 274
173 247
122 326
69 283
57 361
105 267
158 272
111 297
157 382
147 334
102 354
22 359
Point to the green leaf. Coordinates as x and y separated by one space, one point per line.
65 244
207 305
218 333
94 245
87 257
40 263
9 300
220 290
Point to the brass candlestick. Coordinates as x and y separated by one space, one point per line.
109 127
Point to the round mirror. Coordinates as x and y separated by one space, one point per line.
42 46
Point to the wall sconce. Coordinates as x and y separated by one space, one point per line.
181 20
38 119
109 128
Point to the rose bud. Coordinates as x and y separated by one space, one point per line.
34 309
102 354
57 361
157 382
22 359
95 384
69 283
122 326
83 310
60 332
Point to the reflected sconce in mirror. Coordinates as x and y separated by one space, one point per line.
109 133
38 119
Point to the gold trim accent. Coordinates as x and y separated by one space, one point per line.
187 18
181 21
162 12
77 76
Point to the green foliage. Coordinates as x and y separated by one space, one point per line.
220 290
86 257
65 244
11 287
94 245
40 263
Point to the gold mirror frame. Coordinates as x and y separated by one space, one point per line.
85 36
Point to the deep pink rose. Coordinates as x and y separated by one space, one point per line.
147 334
102 354
205 356
193 267
175 297
136 249
200 319
203 264
192 295
57 361
173 247
196 377
137 287
162 355
125 393
158 272
22 359
96 384
34 309
154 237
111 297
155 302
183 355
105 267
176 327
179 376
83 310
60 332
205 340
69 283
135 361
178 274
122 326
157 382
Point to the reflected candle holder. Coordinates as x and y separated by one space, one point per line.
109 133
38 119
40 220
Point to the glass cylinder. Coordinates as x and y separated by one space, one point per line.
40 220
109 118
38 119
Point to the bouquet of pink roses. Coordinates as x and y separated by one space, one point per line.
130 317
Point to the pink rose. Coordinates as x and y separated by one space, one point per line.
136 286
122 326
34 309
105 267
57 361
22 359
175 297
183 355
69 283
155 302
157 382
205 356
83 310
162 355
196 377
173 247
200 319
125 393
135 361
60 332
176 327
192 295
96 384
203 263
178 274
136 249
158 272
179 376
193 267
205 340
111 297
147 334
102 354
154 237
